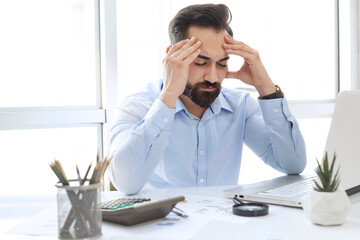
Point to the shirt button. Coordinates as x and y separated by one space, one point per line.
276 110
201 152
165 119
200 124
201 180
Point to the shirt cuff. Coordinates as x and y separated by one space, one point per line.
273 108
160 115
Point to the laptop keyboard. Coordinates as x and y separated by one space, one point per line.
295 190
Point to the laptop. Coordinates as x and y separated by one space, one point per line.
343 137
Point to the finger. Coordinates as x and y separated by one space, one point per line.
241 47
184 47
189 51
231 42
192 56
242 53
177 46
245 45
238 45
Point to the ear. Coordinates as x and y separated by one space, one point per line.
168 49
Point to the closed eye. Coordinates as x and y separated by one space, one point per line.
200 64
222 65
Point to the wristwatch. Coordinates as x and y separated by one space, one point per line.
277 94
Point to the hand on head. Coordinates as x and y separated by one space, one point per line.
252 72
176 69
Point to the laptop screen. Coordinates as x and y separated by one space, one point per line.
344 139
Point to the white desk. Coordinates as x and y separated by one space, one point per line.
21 215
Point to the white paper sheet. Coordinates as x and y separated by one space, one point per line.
42 224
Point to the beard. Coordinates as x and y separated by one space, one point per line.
200 97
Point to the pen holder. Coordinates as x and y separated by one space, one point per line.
79 213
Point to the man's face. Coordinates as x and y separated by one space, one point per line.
209 69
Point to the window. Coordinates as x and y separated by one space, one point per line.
48 53
50 95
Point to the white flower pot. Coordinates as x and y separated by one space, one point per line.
327 208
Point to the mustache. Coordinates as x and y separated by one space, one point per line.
207 84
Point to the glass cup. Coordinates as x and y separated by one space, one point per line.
79 213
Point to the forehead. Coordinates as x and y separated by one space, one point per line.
211 41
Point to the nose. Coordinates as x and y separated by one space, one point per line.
211 73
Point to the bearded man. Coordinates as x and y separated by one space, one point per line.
187 131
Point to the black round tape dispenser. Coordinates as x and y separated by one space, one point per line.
249 209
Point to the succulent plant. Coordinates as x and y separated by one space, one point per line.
329 181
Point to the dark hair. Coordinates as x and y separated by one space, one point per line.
215 16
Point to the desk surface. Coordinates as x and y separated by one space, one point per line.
34 217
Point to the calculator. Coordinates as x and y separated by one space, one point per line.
130 211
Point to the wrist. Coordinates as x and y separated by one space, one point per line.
277 94
168 98
267 89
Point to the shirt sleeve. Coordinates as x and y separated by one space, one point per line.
278 140
139 137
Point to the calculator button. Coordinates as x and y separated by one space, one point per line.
122 203
121 206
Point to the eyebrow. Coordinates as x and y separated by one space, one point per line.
207 58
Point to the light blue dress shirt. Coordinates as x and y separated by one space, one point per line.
159 147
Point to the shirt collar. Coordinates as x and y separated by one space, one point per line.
179 106
220 103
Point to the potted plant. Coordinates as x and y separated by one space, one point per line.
326 204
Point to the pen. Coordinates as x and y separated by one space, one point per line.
78 173
179 212
237 200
